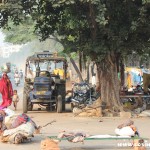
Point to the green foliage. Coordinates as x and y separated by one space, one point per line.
22 33
16 10
96 27
93 27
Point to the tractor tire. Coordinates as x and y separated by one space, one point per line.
59 104
30 106
25 103
61 90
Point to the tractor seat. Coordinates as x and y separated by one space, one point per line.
47 74
44 74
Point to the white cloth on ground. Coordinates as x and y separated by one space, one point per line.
125 131
28 129
107 136
9 112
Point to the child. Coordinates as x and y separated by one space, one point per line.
15 99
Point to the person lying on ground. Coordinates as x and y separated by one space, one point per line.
127 129
17 129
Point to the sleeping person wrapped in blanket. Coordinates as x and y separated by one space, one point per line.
16 128
127 129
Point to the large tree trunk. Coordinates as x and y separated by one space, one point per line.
88 73
122 75
109 83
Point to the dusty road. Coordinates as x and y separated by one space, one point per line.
66 121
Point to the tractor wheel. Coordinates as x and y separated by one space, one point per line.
30 106
25 103
59 104
61 90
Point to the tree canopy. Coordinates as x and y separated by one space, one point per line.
22 33
93 25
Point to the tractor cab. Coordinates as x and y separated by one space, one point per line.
45 82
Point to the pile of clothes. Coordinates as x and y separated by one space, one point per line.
73 136
16 128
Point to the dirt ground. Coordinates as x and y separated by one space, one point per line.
66 121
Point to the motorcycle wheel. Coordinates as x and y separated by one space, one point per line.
90 101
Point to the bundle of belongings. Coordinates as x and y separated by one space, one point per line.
127 129
16 128
73 136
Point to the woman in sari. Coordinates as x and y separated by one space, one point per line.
6 90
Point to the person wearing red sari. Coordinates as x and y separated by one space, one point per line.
6 90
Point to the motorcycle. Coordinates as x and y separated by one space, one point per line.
135 92
82 95
21 74
17 79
